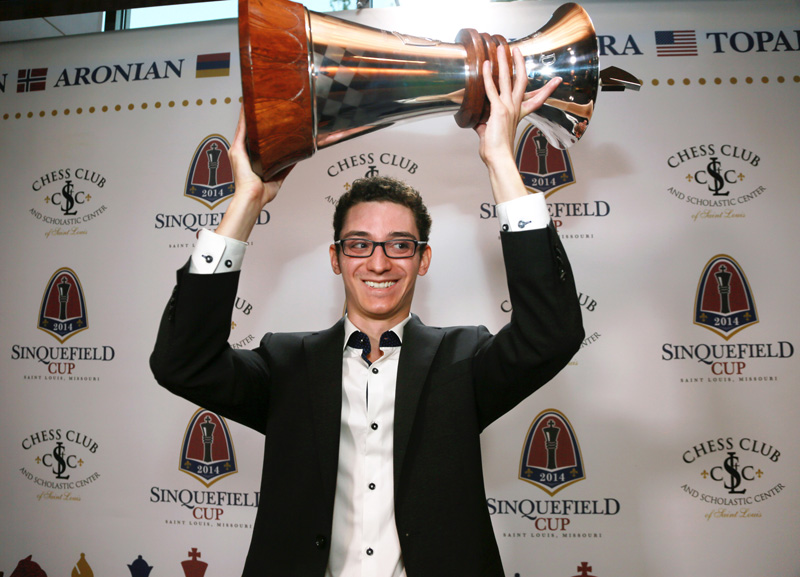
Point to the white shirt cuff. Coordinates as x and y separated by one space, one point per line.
214 253
523 213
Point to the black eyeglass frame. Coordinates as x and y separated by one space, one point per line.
374 243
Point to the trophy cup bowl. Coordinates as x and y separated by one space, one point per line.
311 80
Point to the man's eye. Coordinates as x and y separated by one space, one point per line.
358 244
402 245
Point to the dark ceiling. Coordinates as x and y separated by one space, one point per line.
24 9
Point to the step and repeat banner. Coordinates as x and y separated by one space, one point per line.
668 446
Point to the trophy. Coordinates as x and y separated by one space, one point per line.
311 80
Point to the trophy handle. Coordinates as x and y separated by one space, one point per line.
479 47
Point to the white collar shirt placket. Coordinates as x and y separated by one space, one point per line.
364 542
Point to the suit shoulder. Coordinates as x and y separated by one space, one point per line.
459 335
287 339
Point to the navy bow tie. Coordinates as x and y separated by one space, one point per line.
359 340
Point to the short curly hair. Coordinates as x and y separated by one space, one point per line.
382 189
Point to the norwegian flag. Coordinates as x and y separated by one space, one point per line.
31 79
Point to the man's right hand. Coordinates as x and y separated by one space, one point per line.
509 105
251 194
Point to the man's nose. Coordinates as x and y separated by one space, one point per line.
378 261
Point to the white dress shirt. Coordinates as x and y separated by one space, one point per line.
364 540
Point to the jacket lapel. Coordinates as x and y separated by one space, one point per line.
416 356
323 356
323 352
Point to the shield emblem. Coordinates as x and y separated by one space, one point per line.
63 310
724 302
551 456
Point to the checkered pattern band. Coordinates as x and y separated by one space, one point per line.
345 97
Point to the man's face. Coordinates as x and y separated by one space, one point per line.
378 288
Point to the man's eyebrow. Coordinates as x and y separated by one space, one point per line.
365 234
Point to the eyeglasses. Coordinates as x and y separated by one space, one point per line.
395 248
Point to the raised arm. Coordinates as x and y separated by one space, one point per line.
509 105
545 329
250 195
192 357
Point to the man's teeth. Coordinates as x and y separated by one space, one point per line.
386 284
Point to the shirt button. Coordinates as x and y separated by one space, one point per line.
375 371
374 426
372 486
320 542
370 551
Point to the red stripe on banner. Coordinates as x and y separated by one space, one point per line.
222 56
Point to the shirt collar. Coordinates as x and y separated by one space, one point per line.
350 328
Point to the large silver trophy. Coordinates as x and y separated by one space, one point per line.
311 80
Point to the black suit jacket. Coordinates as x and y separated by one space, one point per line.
451 383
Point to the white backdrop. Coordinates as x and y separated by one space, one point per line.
684 455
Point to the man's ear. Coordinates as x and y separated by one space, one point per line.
334 254
425 260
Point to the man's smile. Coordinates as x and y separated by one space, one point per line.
385 284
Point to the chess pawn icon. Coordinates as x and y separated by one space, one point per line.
139 568
82 568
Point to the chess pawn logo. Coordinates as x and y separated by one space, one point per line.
82 568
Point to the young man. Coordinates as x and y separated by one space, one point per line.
372 462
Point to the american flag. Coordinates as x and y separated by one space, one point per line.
676 43
31 79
